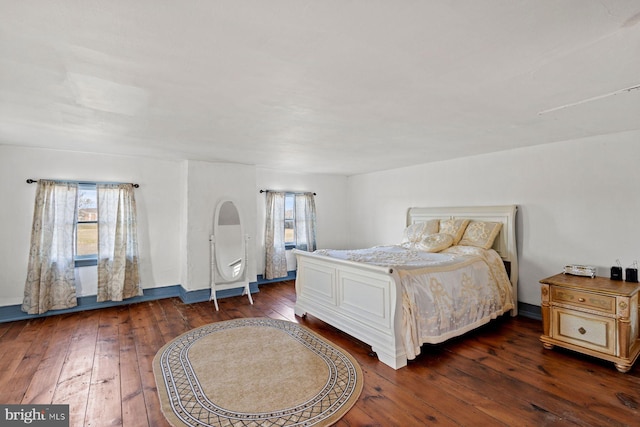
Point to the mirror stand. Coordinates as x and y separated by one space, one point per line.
229 253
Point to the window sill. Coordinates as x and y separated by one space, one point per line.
86 262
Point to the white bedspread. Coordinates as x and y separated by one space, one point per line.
443 294
391 256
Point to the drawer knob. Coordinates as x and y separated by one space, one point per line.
582 330
581 299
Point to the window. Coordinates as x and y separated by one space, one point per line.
290 220
87 226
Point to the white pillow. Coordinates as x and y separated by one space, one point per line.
435 242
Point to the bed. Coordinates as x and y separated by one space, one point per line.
393 301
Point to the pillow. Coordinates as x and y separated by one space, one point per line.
416 232
480 234
435 242
454 227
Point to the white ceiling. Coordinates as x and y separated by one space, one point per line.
324 86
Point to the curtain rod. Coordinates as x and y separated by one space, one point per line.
31 181
293 192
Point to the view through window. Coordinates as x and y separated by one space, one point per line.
289 219
87 227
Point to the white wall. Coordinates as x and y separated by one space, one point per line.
331 207
579 202
207 185
176 203
157 199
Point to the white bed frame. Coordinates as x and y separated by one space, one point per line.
365 301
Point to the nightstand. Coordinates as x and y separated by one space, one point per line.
595 316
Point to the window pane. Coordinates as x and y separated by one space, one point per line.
87 204
289 203
289 231
87 239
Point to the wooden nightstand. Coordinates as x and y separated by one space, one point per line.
594 316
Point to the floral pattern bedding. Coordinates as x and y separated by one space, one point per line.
444 294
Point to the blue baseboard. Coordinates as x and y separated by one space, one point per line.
291 275
529 310
12 313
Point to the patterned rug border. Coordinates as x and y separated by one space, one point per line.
306 414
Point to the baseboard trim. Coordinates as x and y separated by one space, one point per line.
529 310
11 313
291 275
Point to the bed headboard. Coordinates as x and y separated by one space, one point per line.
505 243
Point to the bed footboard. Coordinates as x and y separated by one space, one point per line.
361 300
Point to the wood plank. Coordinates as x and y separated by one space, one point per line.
5 328
27 358
496 375
358 417
208 312
533 390
270 303
149 341
47 374
500 354
503 400
73 384
196 315
134 411
415 378
11 355
104 407
169 320
393 404
424 385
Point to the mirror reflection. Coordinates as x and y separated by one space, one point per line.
229 248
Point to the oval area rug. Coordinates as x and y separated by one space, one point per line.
255 372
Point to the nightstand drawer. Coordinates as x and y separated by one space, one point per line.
584 299
584 329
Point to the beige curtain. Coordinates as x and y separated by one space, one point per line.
118 274
305 222
50 283
275 258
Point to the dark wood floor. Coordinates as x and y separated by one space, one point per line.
99 362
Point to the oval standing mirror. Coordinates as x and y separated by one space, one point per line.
229 241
